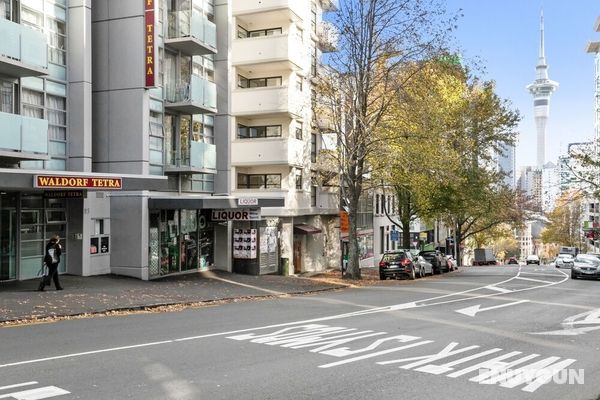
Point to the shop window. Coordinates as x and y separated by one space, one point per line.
100 238
56 217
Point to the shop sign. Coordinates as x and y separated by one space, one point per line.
247 201
242 214
344 222
63 194
149 42
76 182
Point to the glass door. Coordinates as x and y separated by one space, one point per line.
8 236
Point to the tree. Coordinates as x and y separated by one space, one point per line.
377 39
565 221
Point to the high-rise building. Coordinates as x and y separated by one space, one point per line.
506 163
158 137
541 89
594 48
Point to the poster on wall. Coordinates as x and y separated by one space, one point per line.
244 243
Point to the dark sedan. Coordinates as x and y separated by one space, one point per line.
396 264
585 266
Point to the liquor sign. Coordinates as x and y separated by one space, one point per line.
242 214
344 222
247 201
76 182
150 42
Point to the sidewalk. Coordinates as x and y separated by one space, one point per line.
20 301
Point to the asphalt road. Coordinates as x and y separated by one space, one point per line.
504 332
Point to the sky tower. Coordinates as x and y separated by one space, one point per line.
541 89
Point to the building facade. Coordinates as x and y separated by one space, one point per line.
159 137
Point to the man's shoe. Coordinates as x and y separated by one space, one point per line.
59 288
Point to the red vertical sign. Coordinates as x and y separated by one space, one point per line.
149 41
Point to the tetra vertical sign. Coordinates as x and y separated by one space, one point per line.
150 42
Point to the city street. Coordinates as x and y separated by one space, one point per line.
502 332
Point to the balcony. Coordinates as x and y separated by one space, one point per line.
199 96
199 158
191 33
267 102
328 198
330 5
270 10
272 151
23 138
23 51
327 36
273 52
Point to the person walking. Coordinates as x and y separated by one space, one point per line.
52 258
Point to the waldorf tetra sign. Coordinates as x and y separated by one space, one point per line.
77 182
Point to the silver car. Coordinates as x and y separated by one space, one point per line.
564 260
585 266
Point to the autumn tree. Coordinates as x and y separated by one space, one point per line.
377 39
565 221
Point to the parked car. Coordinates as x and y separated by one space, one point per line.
397 263
513 260
425 266
438 262
564 260
532 259
585 266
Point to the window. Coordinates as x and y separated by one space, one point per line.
245 132
381 238
243 33
313 147
299 129
100 237
56 41
376 204
245 83
313 196
7 97
299 81
259 181
299 180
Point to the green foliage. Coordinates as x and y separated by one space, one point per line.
565 221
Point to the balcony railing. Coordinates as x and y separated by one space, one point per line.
23 138
23 50
267 101
269 49
198 96
191 33
198 157
271 151
253 9
328 37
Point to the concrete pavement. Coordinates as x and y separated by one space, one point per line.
20 301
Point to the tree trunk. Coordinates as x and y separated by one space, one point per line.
458 238
353 270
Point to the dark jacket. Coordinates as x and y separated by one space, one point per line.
57 252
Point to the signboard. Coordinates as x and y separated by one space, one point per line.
242 214
76 182
247 201
344 222
149 42
62 194
395 236
423 235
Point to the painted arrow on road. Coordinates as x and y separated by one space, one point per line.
591 318
471 311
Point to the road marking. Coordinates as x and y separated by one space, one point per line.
18 385
569 329
395 307
36 394
471 311
498 289
532 280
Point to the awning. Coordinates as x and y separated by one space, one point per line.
305 229
208 202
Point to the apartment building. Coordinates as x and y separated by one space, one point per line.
163 136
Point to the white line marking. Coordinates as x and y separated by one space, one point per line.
471 311
378 353
532 280
18 385
498 289
36 394
328 318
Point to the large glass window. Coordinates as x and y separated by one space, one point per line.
7 97
259 181
245 132
56 41
245 83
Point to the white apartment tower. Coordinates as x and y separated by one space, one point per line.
541 89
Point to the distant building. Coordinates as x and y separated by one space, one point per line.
506 163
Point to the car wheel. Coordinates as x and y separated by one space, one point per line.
421 273
382 277
437 270
412 275
573 275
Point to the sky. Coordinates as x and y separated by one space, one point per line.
504 36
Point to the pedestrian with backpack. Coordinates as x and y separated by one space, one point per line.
51 259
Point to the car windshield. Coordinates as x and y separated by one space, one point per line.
565 256
587 260
393 257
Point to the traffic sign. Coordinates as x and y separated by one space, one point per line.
395 236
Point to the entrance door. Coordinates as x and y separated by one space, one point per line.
297 256
8 236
